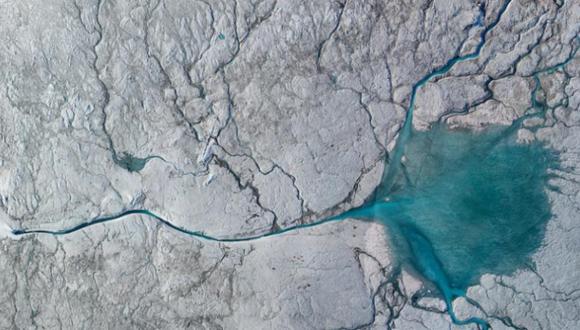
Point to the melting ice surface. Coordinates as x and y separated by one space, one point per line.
464 204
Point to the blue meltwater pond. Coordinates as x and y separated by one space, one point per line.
463 204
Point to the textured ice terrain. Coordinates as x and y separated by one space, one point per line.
200 164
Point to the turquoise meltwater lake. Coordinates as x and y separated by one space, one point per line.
464 203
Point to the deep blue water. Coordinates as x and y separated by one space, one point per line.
130 162
464 204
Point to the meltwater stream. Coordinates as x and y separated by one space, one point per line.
463 204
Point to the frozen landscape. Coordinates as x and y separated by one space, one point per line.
289 164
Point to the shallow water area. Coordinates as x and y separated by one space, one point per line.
464 204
